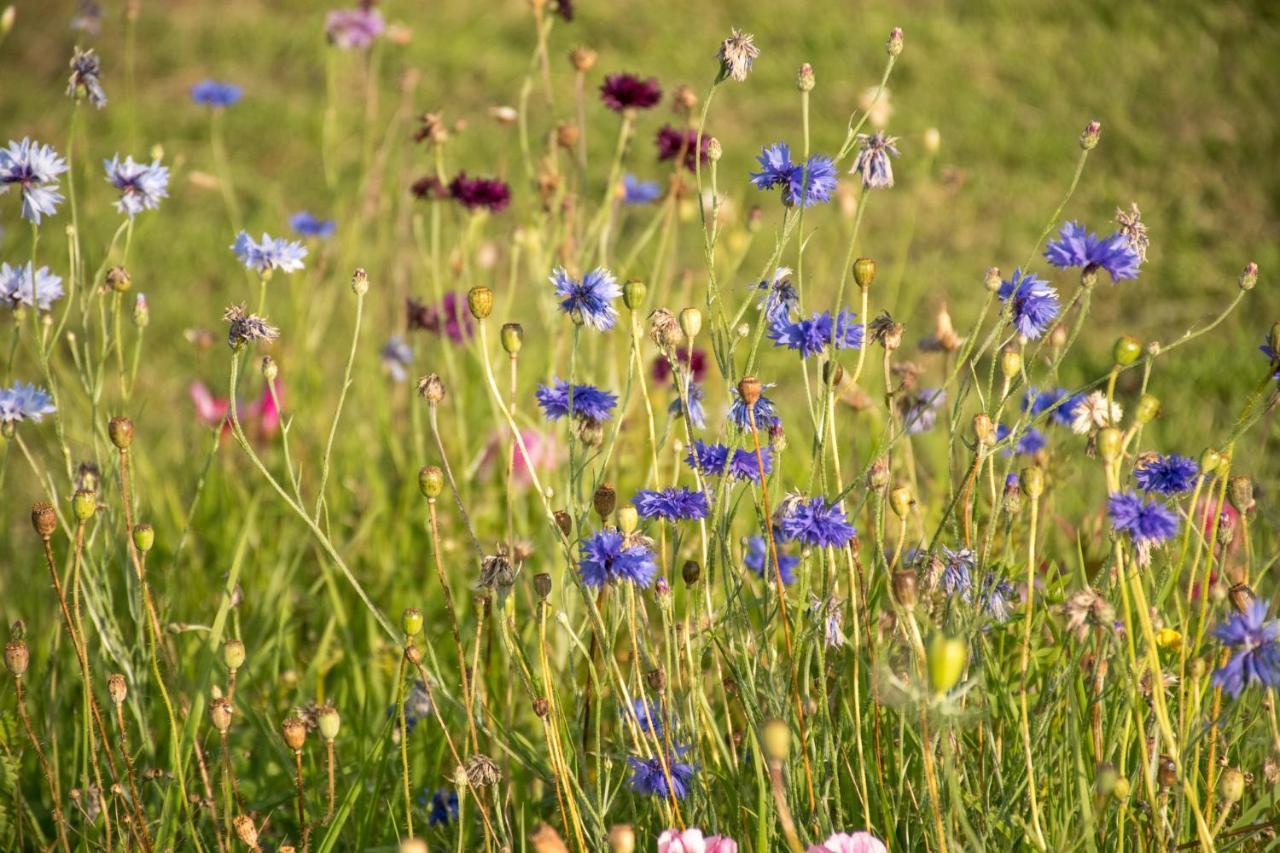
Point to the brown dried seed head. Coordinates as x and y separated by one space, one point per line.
294 732
117 688
44 519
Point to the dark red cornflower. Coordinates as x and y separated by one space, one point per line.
673 143
627 91
489 193
698 364
429 188
564 8
451 318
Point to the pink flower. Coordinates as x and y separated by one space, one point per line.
721 844
211 410
544 453
675 841
857 842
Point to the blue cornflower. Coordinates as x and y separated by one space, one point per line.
780 296
273 253
310 225
1257 659
815 522
24 402
744 466
697 415
417 707
996 596
957 572
608 556
141 185
636 191
1148 523
1076 247
1167 475
1038 402
443 807
19 287
813 183
589 402
648 776
1271 355
1035 303
872 163
34 169
758 559
828 611
671 504
707 458
215 94
775 167
1030 440
765 416
810 336
648 716
397 358
590 300
920 409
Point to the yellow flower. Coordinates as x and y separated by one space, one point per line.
1167 638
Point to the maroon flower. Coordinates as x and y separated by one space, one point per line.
472 193
627 91
673 143
564 8
698 364
428 188
451 318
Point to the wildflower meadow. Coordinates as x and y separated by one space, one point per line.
569 426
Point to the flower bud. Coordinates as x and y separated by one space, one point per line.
776 737
582 59
121 432
604 501
864 272
44 519
1126 350
564 522
633 293
233 654
220 713
905 584
141 313
628 519
691 322
144 537
901 500
1209 460
270 370
622 838
714 150
894 45
117 689
804 78
512 336
991 281
431 388
411 621
691 571
1147 409
430 481
1110 443
1231 785
1010 363
946 657
1121 789
984 430
480 301
1249 276
17 657
1240 493
329 722
542 584
359 282
1011 500
1032 482
1090 135
878 474
118 279
84 504
294 732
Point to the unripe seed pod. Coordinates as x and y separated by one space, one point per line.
564 522
1105 782
44 519
633 293
691 572
329 722
233 654
1121 789
144 537
121 432
430 481
1240 493
1147 409
984 430
413 655
1010 363
901 500
542 584
1110 443
411 621
691 321
947 657
294 732
84 504
480 301
1231 785
1032 482
604 501
628 519
622 838
864 272
991 281
17 657
1209 460
246 831
512 337
1126 351
777 740
904 587
878 474
220 713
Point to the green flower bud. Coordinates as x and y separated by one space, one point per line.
329 722
1032 481
1110 443
714 150
901 500
992 280
1126 350
359 282
1147 410
893 46
776 737
141 313
1231 785
233 654
84 504
628 519
1209 460
804 78
411 621
1090 135
1249 276
947 657
1010 363
864 272
430 481
512 337
633 293
144 537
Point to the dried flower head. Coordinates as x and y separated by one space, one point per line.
481 771
736 55
244 328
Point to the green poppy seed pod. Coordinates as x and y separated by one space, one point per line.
622 838
947 657
1249 276
430 481
1126 350
633 293
564 522
17 658
413 845
691 321
1110 443
604 500
1032 481
121 432
804 78
117 689
1209 460
776 736
411 621
991 281
44 519
1010 363
1240 493
1231 785
901 500
691 571
714 150
893 46
84 504
480 301
984 430
1121 789
1147 410
1090 135
119 280
864 272
294 732
905 583
144 537
329 722
542 584
233 654
628 519
512 336
359 282
270 370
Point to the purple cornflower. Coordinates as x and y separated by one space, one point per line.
443 807
957 572
647 714
34 169
86 68
628 92
1030 440
1257 659
397 358
743 465
673 143
1274 357
141 185
606 556
590 300
697 415
780 297
808 184
1076 247
19 287
589 402
707 458
354 28
815 522
309 225
775 167
765 417
24 402
672 504
920 409
872 163
996 596
1166 475
649 777
636 191
273 253
810 336
489 193
1034 302
1148 523
1037 402
218 95
758 559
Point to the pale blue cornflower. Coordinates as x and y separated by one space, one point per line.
34 169
697 414
636 191
141 185
272 253
397 358
19 287
24 402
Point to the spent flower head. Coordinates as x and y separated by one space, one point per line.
736 55
86 69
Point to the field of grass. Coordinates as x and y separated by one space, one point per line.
878 696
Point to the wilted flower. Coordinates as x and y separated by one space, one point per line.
1086 609
19 286
273 253
1134 231
872 163
86 68
736 55
34 169
215 94
496 570
482 771
246 328
886 331
141 185
24 402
